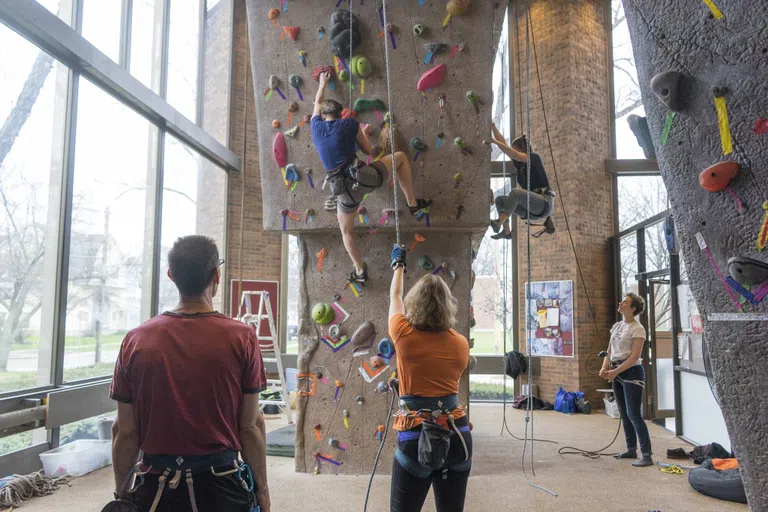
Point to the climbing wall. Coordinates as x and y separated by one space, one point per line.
719 48
279 50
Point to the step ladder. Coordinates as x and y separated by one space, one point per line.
268 343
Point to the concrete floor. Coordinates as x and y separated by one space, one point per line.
497 483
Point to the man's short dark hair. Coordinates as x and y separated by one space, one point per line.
331 108
637 303
193 261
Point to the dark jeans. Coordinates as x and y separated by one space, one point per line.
212 494
408 491
629 398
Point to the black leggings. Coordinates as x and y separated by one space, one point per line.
409 492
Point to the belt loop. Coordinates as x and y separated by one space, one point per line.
191 489
160 488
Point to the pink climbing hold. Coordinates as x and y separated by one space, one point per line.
761 127
280 150
431 78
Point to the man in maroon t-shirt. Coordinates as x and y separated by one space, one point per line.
187 385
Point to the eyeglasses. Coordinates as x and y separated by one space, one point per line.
220 263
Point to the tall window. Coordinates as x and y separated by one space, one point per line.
146 42
107 235
183 56
101 25
626 88
31 135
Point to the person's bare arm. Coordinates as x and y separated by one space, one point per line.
606 363
253 438
396 305
637 350
125 443
363 142
320 96
509 150
497 134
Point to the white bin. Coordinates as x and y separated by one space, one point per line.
611 408
77 458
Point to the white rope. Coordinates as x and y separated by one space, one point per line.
18 488
349 62
391 123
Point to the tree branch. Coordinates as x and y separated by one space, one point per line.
26 100
626 110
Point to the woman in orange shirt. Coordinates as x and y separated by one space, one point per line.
434 441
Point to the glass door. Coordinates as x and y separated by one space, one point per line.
660 381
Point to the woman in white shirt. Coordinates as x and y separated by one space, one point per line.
624 367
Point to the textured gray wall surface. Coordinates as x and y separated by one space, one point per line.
730 53
416 114
373 305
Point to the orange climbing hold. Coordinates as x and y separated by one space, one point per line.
320 257
417 239
717 177
293 32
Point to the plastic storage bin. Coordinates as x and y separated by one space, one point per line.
611 409
77 458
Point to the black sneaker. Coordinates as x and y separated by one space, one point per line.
645 461
420 205
360 278
502 236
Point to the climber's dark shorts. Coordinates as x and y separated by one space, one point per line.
351 186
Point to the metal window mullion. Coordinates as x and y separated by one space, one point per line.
231 72
612 97
158 225
126 26
200 61
78 16
163 92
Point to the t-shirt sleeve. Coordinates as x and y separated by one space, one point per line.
351 127
398 327
120 389
254 375
637 331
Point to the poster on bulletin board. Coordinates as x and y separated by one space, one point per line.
550 318
250 285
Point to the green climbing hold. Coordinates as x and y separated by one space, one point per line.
426 264
292 132
361 66
364 105
322 313
295 80
418 144
344 75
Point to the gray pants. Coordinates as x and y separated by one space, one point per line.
350 191
516 202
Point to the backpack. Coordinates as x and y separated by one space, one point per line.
582 404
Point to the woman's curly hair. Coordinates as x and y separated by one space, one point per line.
430 305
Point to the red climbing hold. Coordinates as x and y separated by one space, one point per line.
318 70
431 78
280 150
717 177
293 32
761 127
347 113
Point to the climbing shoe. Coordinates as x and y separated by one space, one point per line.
495 225
629 454
645 461
361 278
420 205
502 236
639 126
330 204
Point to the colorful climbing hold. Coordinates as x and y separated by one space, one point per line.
292 132
426 264
761 126
747 271
347 112
717 177
418 29
417 239
431 78
457 7
293 32
762 236
280 150
364 105
361 66
722 120
665 87
418 144
457 179
275 123
342 22
323 313
319 70
303 57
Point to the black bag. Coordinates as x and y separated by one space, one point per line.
582 404
515 364
434 443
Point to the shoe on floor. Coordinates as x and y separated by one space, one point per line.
629 454
495 225
360 278
644 462
420 205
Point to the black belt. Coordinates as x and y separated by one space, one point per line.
194 463
616 364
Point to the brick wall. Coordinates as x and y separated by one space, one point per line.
261 250
571 43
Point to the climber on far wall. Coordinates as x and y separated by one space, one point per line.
349 179
542 196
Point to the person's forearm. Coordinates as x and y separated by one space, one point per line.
606 363
626 365
511 152
396 289
320 96
125 452
254 442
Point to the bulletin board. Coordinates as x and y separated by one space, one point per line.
550 318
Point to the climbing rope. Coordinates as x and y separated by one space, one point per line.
18 488
349 61
391 123
381 446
